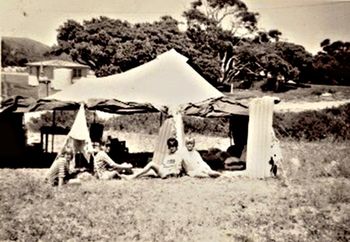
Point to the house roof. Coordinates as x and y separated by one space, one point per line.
165 81
57 63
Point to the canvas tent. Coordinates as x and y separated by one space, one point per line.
167 81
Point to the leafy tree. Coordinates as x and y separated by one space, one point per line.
299 59
213 27
222 42
215 13
234 50
112 46
332 64
94 42
254 61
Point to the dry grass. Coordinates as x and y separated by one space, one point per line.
17 84
315 207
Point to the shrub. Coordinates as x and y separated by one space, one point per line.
150 123
63 119
331 123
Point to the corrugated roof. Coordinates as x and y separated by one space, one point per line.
57 63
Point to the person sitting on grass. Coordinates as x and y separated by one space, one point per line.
105 167
60 171
194 165
171 165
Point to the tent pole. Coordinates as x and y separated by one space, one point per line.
160 119
46 142
230 130
53 133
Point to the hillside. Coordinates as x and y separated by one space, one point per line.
18 51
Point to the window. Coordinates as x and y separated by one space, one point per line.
76 73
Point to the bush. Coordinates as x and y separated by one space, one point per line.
331 123
150 123
63 119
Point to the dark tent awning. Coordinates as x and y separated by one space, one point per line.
17 104
216 107
119 107
23 104
47 105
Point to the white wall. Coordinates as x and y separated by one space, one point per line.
62 77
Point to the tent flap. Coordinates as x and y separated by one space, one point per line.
44 105
79 129
115 106
216 107
17 104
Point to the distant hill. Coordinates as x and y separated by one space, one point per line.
18 51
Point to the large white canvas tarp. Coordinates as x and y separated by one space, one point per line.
165 81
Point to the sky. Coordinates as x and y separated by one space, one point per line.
305 22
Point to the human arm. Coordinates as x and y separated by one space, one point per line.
113 164
180 162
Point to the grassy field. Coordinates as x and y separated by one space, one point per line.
314 207
17 84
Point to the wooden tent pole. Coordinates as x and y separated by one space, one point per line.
230 130
53 133
161 119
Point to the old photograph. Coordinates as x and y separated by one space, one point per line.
175 120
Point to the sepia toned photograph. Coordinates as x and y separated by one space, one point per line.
175 120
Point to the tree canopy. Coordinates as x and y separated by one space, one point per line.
332 64
112 46
221 39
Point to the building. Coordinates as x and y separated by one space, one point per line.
55 74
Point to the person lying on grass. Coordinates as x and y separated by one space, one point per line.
105 167
171 165
60 171
193 163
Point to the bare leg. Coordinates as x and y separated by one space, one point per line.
214 174
206 174
145 170
201 175
211 172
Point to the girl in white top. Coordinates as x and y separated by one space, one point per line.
193 163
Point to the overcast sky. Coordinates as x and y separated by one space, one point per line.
305 22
